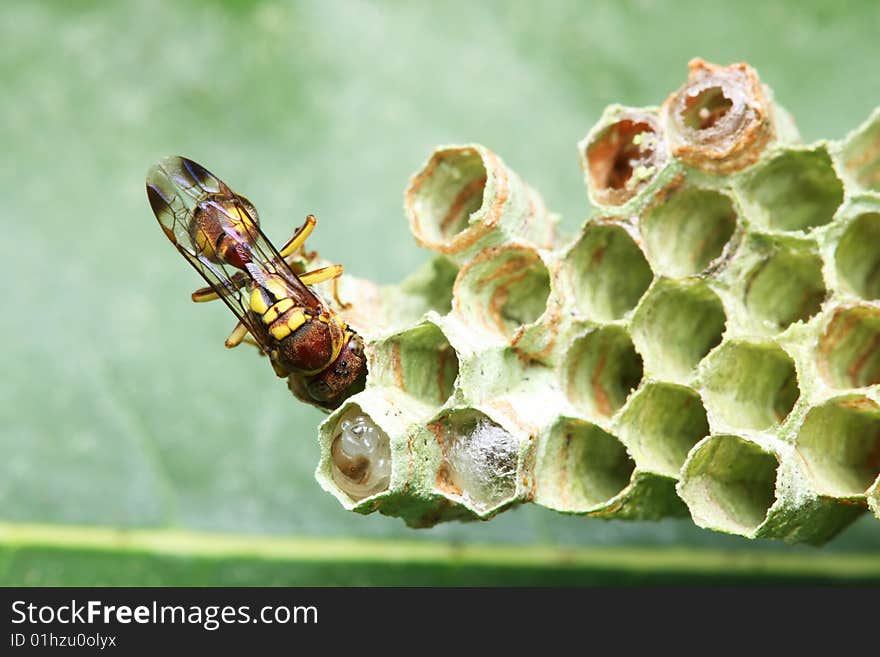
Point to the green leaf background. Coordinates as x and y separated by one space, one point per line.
135 449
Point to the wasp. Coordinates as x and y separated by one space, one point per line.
217 231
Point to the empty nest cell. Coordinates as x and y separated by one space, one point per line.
582 467
688 230
420 361
502 289
623 157
719 120
609 272
861 154
661 424
676 325
785 287
729 484
857 256
749 385
840 443
794 191
601 369
849 349
480 459
442 198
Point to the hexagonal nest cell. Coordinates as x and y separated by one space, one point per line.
623 158
360 455
785 287
858 257
661 424
603 368
609 272
720 120
480 459
840 443
688 230
729 484
795 191
676 325
848 354
502 289
749 385
861 154
420 361
581 467
447 192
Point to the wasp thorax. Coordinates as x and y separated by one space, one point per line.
361 455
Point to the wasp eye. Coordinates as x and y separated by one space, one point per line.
361 455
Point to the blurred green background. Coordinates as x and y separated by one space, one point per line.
119 406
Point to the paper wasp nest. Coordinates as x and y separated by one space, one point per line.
707 344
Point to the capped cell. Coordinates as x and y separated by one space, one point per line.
480 459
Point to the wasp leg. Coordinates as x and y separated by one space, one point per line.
333 272
238 335
299 237
208 294
321 275
342 305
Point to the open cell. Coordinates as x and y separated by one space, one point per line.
840 443
795 191
874 498
582 466
421 362
447 192
480 459
661 424
719 120
677 324
502 289
857 256
622 158
602 369
360 455
750 385
705 108
861 154
849 349
729 484
609 272
688 230
785 287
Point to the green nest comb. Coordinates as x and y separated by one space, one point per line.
708 344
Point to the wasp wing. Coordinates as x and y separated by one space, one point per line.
176 187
